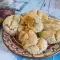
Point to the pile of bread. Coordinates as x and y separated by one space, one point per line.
35 30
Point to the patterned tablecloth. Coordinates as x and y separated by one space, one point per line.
51 7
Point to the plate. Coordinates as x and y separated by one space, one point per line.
14 46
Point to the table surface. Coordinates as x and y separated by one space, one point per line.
51 7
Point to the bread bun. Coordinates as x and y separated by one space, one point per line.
33 20
58 36
33 49
42 44
49 36
11 24
28 38
51 24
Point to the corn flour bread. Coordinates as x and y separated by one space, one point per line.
49 35
11 24
37 48
33 49
52 24
42 44
28 38
33 20
27 26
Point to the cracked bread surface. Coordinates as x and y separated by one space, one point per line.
11 24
